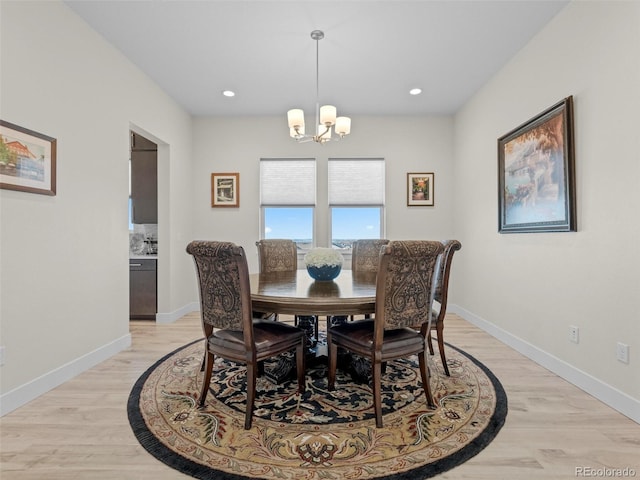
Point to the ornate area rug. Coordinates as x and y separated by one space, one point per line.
321 434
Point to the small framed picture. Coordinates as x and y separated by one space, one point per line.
420 189
27 160
225 189
536 174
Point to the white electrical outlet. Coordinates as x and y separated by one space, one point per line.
622 352
574 333
1 356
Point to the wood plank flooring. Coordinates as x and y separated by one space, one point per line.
80 430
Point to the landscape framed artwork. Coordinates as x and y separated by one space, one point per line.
536 174
225 189
27 160
420 189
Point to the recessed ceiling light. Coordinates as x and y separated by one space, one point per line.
228 93
415 91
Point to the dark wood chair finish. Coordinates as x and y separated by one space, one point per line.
440 296
229 328
404 298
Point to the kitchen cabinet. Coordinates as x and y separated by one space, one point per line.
143 288
144 180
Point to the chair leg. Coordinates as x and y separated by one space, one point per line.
208 368
251 395
429 343
333 360
377 391
441 348
424 372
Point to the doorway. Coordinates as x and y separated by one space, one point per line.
143 225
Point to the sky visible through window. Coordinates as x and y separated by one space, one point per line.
297 223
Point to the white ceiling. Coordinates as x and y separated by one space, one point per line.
372 54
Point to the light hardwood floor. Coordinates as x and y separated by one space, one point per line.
80 429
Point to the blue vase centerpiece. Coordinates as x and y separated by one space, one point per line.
323 264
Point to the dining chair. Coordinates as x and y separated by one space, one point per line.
365 257
404 298
276 255
229 328
365 254
440 296
281 255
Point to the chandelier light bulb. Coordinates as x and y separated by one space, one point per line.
343 126
328 115
295 116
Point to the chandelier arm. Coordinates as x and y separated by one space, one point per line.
320 137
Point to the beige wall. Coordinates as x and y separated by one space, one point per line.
528 288
408 144
64 259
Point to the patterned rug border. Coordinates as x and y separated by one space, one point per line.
170 458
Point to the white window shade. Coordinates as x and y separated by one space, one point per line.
356 181
287 182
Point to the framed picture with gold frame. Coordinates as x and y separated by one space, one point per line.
225 189
27 160
420 189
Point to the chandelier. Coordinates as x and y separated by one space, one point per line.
325 117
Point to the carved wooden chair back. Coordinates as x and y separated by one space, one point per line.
277 255
365 254
223 279
406 286
365 257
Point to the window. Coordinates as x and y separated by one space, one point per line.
356 200
288 199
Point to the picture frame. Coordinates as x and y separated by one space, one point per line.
27 160
225 189
536 174
420 189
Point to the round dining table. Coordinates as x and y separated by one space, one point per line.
296 293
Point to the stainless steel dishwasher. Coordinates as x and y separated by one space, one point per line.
142 288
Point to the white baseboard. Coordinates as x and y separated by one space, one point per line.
176 314
24 394
607 394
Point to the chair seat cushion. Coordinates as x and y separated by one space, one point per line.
358 336
268 336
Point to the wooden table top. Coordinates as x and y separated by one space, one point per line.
296 293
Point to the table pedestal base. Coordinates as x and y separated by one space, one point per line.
317 351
